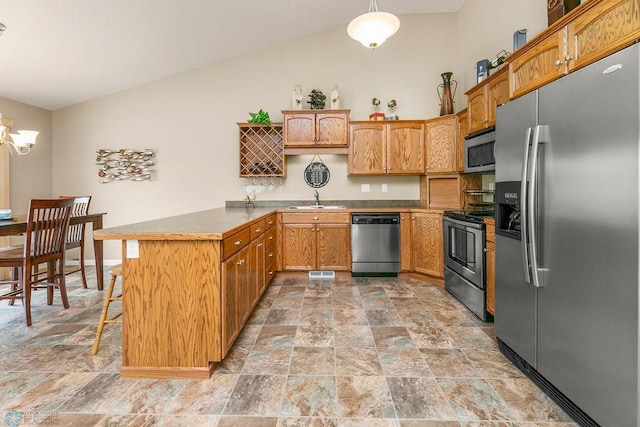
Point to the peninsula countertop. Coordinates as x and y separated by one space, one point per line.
212 224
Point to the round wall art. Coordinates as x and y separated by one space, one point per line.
316 174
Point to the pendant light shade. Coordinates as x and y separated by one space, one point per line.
373 28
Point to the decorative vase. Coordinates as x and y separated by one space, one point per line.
446 96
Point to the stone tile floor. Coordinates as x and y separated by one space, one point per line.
347 352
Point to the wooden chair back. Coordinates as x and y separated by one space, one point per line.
47 226
75 235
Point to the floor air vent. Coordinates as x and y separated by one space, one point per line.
322 274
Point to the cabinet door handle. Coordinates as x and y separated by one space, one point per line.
270 223
259 245
237 242
270 237
258 230
413 218
559 63
568 58
240 262
270 255
271 273
315 218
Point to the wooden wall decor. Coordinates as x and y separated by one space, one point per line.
125 164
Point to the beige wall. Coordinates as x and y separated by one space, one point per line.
30 176
485 27
190 119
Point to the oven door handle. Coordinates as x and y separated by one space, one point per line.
463 224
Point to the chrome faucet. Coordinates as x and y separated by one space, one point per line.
317 196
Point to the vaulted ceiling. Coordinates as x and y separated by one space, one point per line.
61 52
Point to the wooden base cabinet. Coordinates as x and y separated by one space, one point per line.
405 241
491 267
235 294
316 241
427 255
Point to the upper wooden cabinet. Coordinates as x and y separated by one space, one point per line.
463 130
540 64
484 98
441 144
394 147
315 128
588 33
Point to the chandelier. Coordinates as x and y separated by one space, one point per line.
19 143
373 28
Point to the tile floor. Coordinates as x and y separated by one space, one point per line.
349 352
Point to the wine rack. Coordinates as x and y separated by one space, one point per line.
261 150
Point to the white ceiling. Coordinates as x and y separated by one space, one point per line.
58 53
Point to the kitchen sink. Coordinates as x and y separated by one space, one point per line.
318 207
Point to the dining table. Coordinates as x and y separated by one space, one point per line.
18 225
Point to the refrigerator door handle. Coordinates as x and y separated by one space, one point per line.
523 207
538 131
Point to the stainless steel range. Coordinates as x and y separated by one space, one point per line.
464 258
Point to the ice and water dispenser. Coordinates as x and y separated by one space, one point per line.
508 209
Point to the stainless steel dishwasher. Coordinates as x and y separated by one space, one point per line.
375 243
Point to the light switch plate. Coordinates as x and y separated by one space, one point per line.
366 188
133 250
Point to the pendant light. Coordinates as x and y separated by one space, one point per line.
373 28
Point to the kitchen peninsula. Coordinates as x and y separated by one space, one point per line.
191 281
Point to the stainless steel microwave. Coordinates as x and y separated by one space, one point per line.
479 152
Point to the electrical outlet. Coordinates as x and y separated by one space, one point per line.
385 188
491 186
133 250
366 188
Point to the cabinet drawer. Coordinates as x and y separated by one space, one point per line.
235 242
257 229
321 218
270 221
270 237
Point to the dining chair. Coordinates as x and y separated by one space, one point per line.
47 226
75 235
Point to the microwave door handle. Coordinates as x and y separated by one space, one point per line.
532 202
524 211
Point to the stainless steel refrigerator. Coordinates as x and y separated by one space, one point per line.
567 242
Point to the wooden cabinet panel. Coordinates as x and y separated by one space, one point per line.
234 296
333 247
601 31
299 130
463 130
256 279
441 144
257 228
395 147
427 255
331 129
405 148
477 108
316 241
405 241
315 128
367 149
543 63
483 99
447 191
497 94
491 269
298 246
